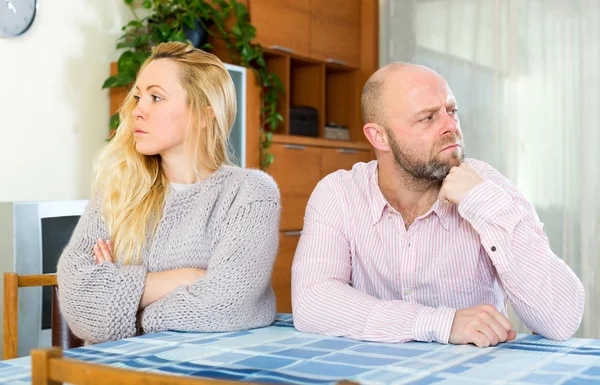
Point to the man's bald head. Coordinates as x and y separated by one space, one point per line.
372 102
411 120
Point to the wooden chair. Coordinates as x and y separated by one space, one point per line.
48 367
61 334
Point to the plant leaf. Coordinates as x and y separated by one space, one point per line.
111 82
134 23
115 120
269 159
164 29
127 62
240 10
126 44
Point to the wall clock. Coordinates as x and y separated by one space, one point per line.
16 16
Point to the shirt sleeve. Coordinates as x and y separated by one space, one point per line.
545 293
99 301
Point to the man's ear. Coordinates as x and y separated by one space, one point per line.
377 136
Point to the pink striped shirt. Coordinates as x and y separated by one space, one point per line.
359 273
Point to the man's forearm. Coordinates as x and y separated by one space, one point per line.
545 293
333 308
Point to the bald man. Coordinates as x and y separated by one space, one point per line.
423 244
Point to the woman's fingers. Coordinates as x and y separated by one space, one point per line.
98 254
103 251
110 248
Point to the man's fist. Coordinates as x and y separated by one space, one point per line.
459 181
480 325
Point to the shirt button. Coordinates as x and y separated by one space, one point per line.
408 291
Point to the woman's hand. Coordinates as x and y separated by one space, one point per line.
103 251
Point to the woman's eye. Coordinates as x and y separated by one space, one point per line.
137 98
156 98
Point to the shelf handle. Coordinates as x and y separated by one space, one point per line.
292 233
336 61
294 147
281 48
346 150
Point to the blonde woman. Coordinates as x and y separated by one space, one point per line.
174 238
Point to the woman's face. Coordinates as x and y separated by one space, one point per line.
160 119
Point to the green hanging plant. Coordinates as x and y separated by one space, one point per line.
172 20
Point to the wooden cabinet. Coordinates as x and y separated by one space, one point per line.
333 159
335 31
328 30
299 167
281 280
333 51
283 24
296 171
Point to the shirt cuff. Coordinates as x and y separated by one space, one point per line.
434 324
482 203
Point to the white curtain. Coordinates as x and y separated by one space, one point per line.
526 74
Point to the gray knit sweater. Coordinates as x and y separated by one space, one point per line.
227 224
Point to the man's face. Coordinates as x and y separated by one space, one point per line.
422 125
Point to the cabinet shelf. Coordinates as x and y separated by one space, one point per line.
320 142
274 52
329 87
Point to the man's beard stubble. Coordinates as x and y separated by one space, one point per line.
434 170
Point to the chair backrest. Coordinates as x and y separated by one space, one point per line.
61 334
48 367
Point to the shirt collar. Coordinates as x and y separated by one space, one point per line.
379 204
442 210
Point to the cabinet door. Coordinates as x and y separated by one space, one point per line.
281 280
296 171
333 159
335 31
282 23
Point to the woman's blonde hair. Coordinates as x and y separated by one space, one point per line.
132 186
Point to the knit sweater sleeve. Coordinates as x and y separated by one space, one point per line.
235 293
98 301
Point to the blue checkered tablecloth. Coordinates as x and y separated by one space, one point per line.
281 354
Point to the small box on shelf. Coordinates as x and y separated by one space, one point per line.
336 132
304 121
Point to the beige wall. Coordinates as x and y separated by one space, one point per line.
53 113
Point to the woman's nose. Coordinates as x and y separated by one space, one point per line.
138 112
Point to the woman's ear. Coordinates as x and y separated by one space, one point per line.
210 113
206 117
377 136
